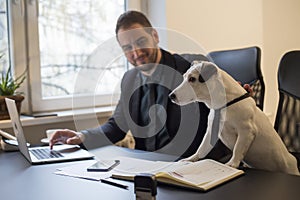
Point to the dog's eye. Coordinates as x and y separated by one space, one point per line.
192 79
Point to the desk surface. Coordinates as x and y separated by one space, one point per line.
19 180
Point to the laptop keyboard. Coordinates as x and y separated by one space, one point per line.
45 153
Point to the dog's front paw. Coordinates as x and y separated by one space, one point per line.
192 158
233 163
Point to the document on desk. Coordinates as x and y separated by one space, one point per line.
201 175
134 166
79 170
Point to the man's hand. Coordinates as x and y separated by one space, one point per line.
247 87
65 136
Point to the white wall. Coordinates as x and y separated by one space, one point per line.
273 25
281 33
217 24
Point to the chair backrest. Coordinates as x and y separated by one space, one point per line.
244 66
191 57
287 122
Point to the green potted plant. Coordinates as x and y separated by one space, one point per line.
8 87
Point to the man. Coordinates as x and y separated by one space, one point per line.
165 127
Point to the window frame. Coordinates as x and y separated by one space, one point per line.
24 51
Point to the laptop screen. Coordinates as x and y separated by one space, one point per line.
17 127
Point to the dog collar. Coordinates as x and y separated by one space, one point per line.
244 96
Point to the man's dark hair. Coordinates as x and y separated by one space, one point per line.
132 17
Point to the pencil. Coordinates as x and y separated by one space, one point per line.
114 184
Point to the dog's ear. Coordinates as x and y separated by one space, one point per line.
207 70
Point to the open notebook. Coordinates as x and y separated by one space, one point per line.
201 175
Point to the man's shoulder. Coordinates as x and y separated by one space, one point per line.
176 61
130 77
182 62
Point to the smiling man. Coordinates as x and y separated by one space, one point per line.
144 108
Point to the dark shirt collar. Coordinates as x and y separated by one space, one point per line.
156 76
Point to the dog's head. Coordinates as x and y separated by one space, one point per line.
197 84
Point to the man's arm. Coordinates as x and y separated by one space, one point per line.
106 134
113 130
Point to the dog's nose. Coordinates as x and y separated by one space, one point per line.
172 96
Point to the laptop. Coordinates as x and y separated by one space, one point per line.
42 155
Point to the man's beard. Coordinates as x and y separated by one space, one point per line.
152 63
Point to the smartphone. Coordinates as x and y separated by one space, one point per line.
103 166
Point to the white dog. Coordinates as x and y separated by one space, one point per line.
243 127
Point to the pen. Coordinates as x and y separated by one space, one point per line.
177 174
114 184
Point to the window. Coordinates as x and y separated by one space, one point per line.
70 50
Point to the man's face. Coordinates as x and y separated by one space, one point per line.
139 46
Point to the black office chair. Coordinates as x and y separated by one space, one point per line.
287 121
244 66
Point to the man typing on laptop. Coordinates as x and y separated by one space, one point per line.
41 155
